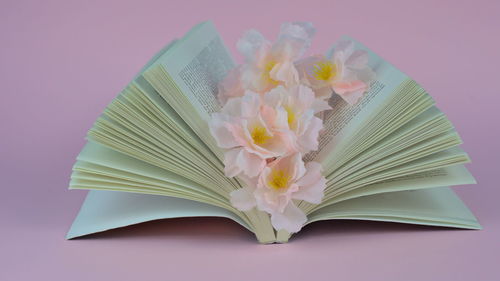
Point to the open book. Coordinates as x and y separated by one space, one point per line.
150 155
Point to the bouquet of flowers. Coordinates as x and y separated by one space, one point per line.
271 118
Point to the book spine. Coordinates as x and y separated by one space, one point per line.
262 227
282 236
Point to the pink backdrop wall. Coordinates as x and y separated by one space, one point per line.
62 62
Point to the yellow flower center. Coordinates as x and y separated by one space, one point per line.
291 117
324 70
259 135
278 179
266 75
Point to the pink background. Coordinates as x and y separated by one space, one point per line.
62 62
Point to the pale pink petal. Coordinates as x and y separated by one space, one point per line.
292 164
240 132
298 166
294 39
285 198
304 97
276 118
252 45
232 107
357 60
239 160
243 198
270 201
298 30
343 50
220 129
231 167
353 98
268 114
247 181
274 97
231 86
320 105
291 219
285 71
285 143
246 106
266 201
367 75
250 163
342 71
304 66
281 120
277 146
312 193
273 112
351 91
312 184
308 141
303 123
323 93
312 175
250 104
251 78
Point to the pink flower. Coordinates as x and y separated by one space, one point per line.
231 86
347 73
269 118
282 181
299 105
248 135
268 65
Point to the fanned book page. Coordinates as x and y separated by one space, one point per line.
151 155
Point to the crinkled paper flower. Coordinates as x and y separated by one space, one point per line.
269 119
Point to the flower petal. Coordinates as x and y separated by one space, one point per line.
251 164
239 160
323 93
279 145
246 106
251 78
232 107
291 219
299 168
367 75
285 71
243 198
312 175
312 184
252 45
320 105
304 97
294 39
299 30
231 86
274 97
220 129
293 165
358 59
308 141
304 121
250 104
351 91
231 167
343 50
